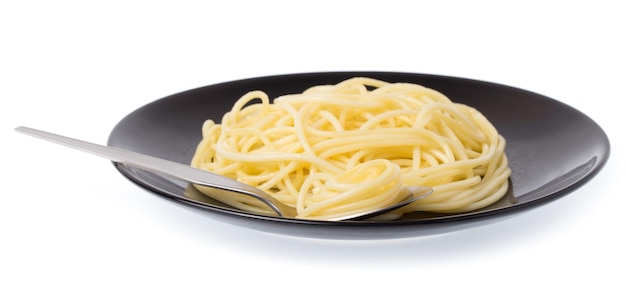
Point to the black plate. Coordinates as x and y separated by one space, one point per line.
552 148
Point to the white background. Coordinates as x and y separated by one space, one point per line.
70 223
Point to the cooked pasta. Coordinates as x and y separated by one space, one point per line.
350 147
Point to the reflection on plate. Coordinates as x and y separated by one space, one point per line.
552 148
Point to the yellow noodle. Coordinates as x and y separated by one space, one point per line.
350 147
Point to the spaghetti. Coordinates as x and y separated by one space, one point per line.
350 147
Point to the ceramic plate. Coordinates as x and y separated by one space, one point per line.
552 148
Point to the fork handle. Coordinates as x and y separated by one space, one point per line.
153 164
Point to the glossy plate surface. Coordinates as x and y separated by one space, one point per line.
552 148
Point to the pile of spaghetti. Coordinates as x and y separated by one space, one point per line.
349 147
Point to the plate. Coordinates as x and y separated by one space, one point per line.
553 149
